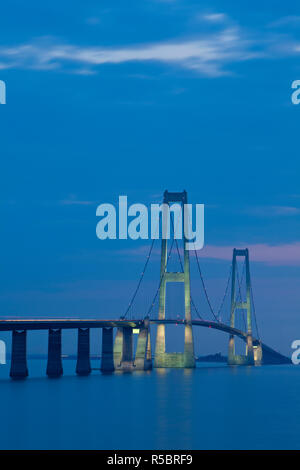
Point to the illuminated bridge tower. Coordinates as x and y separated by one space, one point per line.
162 358
253 351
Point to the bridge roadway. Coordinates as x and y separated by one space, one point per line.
270 355
64 323
73 323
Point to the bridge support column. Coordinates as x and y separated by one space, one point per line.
237 305
240 359
188 355
107 356
54 364
123 349
127 356
231 350
143 359
187 358
83 366
257 350
118 348
18 368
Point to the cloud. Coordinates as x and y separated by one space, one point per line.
286 254
93 20
292 20
84 72
208 55
215 17
282 255
73 201
274 211
211 53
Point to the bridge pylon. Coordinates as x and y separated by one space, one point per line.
253 354
123 353
162 358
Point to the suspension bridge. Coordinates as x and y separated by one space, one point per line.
117 335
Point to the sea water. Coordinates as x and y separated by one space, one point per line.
211 407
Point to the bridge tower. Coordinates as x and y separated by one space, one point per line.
253 352
162 358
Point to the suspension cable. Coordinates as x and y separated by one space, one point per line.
141 278
206 294
182 269
165 269
240 291
161 279
192 301
204 287
225 294
242 278
217 317
254 312
196 310
252 299
238 280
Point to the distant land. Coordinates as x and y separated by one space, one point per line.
64 356
217 357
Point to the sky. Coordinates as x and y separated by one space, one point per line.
132 98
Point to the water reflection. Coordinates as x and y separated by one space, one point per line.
174 405
162 409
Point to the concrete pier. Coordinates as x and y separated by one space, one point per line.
127 356
143 360
54 364
123 349
174 359
257 353
83 365
240 359
249 349
118 348
107 356
18 368
237 308
162 358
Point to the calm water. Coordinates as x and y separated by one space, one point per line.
207 408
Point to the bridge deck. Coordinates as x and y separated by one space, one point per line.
69 323
74 323
64 323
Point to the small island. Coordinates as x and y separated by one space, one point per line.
217 357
